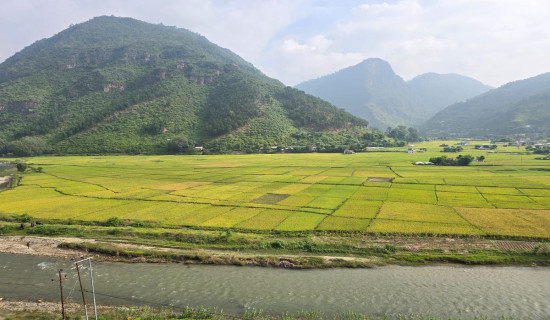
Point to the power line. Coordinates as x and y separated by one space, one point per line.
160 304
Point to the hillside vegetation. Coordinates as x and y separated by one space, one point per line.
520 107
371 90
114 85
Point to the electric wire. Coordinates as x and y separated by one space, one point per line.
160 304
141 301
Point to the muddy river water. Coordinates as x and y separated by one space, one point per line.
442 291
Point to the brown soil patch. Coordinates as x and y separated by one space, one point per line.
270 198
38 246
516 245
4 181
379 179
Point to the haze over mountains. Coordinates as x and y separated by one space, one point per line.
519 107
371 90
121 85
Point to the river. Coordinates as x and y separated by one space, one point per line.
442 291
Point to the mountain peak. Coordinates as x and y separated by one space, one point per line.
115 84
371 90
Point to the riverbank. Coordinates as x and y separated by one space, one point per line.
296 251
45 310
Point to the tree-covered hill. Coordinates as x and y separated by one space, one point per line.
371 90
122 85
519 107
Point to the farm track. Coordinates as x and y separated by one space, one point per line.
50 247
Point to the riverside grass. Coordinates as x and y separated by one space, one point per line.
508 195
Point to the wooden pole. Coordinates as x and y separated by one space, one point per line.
82 291
61 288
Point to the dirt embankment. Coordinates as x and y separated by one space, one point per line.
43 246
4 181
39 246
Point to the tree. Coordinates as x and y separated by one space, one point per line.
398 133
453 149
439 160
29 146
413 135
404 134
480 158
180 145
3 145
464 159
21 166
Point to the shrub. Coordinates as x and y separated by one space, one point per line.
21 166
114 222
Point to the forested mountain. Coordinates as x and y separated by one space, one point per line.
519 107
371 90
122 85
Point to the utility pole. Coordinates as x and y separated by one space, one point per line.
82 290
61 289
92 282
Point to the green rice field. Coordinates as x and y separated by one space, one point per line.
507 195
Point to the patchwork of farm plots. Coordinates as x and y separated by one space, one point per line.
365 192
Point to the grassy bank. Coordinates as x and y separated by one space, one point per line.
291 210
288 250
18 310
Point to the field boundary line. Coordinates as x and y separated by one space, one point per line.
469 222
483 196
397 174
429 222
73 180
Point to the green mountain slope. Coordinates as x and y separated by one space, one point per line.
520 107
432 92
121 85
372 91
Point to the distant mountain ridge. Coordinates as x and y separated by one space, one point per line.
371 90
122 85
519 107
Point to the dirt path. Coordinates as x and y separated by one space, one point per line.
42 246
4 180
39 246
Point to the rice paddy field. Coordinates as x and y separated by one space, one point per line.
507 195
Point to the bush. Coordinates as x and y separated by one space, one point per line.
25 218
114 222
180 145
29 146
21 167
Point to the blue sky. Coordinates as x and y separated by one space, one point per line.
494 41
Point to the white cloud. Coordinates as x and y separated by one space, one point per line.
495 41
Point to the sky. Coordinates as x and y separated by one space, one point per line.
493 41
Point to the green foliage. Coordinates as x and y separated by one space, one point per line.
114 222
3 145
21 166
233 100
464 159
442 160
520 107
453 149
371 90
180 145
404 134
118 85
461 160
29 146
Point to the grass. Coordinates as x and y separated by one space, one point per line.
507 195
